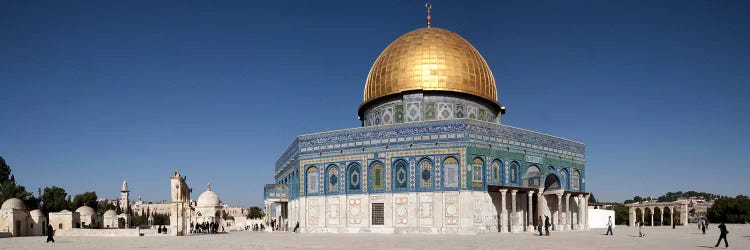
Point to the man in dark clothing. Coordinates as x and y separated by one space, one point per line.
50 233
540 225
296 227
546 225
723 235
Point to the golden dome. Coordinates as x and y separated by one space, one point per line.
430 59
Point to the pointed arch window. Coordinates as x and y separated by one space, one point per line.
313 184
575 181
450 173
332 179
495 172
400 175
425 174
376 176
477 165
514 167
354 182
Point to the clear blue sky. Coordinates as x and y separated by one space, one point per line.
94 92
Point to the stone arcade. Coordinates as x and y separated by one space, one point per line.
431 156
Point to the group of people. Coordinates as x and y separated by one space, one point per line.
258 227
161 229
276 226
702 224
544 224
206 227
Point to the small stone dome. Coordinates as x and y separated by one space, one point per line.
208 198
110 213
64 211
85 210
14 203
36 213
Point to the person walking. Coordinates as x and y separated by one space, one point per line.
704 223
609 226
546 225
723 235
540 225
50 233
296 227
640 230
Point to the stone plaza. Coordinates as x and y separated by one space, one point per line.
624 238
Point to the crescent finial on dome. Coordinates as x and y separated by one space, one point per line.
428 5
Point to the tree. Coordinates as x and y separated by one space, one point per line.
9 189
730 210
255 213
591 198
104 206
54 199
622 214
85 199
4 170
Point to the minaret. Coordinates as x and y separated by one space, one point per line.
124 196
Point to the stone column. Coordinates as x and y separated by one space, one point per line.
530 206
671 216
631 216
643 215
684 215
513 217
586 211
661 216
568 217
580 212
503 212
558 211
652 216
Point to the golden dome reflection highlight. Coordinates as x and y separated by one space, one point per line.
430 59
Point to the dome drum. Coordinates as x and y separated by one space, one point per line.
417 106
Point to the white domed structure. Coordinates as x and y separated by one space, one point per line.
110 213
208 198
88 216
207 205
85 210
109 219
14 203
14 217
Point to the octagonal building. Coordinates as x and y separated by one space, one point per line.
432 155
